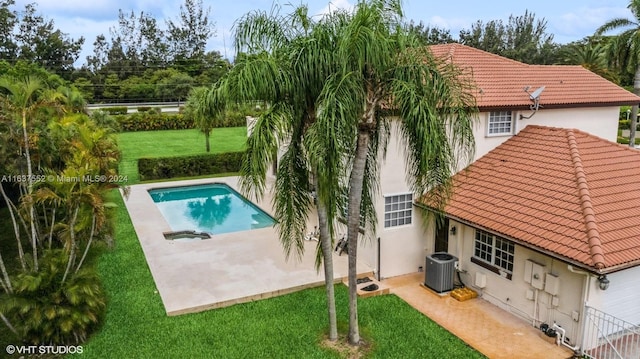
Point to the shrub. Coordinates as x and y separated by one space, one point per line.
104 120
625 125
116 110
46 312
143 108
189 166
151 121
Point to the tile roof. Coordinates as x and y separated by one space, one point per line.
501 81
559 191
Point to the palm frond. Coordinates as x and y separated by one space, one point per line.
292 200
267 135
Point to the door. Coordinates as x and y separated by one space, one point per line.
442 235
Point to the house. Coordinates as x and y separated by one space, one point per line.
562 209
548 221
573 97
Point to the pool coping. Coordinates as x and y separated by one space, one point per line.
229 268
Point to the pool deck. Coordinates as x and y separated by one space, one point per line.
227 269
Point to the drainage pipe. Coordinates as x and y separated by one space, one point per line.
378 264
585 296
560 338
535 318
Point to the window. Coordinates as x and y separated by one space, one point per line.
493 253
397 210
500 123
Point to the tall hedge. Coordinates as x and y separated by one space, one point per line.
189 166
153 121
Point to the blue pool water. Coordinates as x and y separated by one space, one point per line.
213 208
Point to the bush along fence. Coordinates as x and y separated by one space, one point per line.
189 166
150 121
153 121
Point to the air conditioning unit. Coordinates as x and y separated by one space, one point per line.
440 269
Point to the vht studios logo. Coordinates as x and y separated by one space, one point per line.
43 349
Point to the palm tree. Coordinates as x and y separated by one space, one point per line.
203 119
387 72
23 98
623 52
285 63
72 100
591 56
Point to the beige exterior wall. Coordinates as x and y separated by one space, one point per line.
519 297
598 121
403 248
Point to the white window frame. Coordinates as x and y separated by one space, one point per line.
500 252
497 117
398 210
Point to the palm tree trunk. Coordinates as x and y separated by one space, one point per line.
8 324
634 109
206 138
86 250
353 229
72 244
53 221
34 241
6 281
327 258
16 230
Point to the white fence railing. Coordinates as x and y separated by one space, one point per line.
608 337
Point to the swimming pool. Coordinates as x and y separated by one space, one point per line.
213 208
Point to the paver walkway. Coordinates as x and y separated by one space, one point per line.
487 328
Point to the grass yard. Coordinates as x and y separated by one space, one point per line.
135 145
289 326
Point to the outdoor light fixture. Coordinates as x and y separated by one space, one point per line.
453 230
603 282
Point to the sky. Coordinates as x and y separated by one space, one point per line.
567 20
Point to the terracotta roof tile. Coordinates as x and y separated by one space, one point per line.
561 190
501 81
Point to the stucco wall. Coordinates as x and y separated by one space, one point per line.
402 248
511 294
598 121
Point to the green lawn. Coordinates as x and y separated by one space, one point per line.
135 145
289 326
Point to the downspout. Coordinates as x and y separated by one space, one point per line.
585 295
378 264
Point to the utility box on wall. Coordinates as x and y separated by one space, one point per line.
534 274
552 284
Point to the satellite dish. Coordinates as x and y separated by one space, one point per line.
535 95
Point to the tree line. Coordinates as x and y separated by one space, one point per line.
141 60
148 59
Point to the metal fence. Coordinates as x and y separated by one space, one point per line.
608 337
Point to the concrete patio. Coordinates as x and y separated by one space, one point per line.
485 327
226 269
